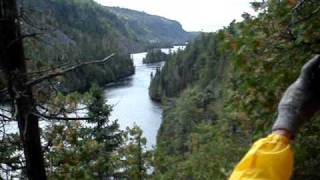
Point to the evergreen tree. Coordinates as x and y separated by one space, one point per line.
104 130
136 159
86 150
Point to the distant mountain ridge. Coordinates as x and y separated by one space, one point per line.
153 28
129 30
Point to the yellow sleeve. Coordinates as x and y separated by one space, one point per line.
270 158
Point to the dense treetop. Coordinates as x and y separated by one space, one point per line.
221 93
155 55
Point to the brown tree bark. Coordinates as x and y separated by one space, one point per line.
13 63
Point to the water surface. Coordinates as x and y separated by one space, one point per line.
131 101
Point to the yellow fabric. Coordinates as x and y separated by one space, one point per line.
270 158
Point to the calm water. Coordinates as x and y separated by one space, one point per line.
132 103
131 99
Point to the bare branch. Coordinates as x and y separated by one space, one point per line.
40 71
6 118
299 4
58 72
43 108
5 110
49 117
68 69
61 110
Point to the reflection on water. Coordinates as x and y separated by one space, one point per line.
132 103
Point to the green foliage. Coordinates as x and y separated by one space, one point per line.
10 155
89 149
154 87
72 32
154 56
104 130
85 150
242 72
136 159
184 68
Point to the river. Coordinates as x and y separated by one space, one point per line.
130 99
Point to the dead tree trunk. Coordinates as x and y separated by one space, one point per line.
14 67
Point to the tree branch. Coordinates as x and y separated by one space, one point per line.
5 110
60 118
316 11
6 118
41 71
61 110
68 69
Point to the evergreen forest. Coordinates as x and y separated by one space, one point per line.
221 93
218 95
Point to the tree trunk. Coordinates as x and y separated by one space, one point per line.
14 66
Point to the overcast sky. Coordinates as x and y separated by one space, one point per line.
194 15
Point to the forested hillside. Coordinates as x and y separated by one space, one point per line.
67 32
153 29
221 93
74 31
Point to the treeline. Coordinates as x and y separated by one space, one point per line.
221 93
154 55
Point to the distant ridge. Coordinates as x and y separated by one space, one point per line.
153 28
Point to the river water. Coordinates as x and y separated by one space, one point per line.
131 101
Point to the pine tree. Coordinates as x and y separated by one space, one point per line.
104 131
135 156
86 150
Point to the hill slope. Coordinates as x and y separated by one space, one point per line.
76 30
151 28
72 31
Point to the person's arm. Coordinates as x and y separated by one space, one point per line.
271 158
